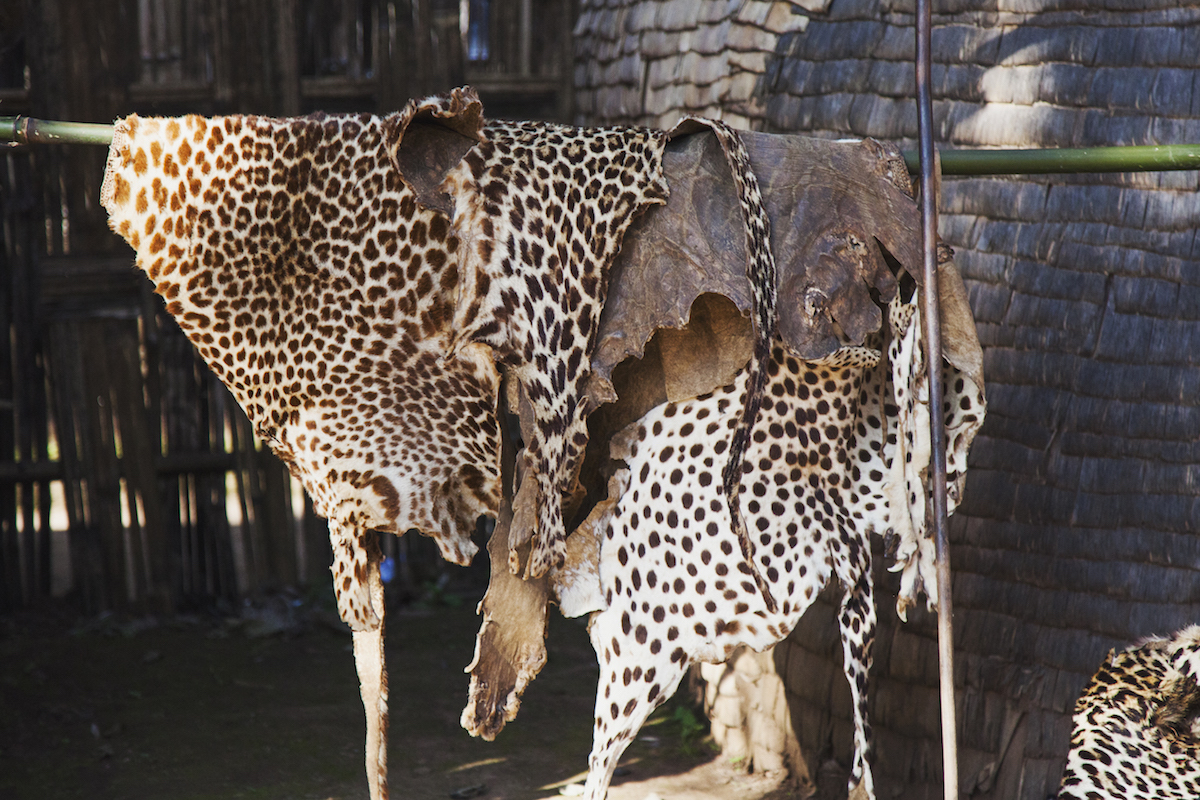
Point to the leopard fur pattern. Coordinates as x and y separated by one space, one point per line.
542 209
1136 728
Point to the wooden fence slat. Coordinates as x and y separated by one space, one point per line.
262 545
173 366
214 493
21 245
103 484
243 449
73 433
10 569
10 558
162 576
125 389
318 553
278 524
39 413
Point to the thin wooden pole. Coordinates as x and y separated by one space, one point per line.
525 39
937 428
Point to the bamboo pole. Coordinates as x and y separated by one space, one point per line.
1131 158
26 130
1138 158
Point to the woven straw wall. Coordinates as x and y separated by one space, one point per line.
1078 531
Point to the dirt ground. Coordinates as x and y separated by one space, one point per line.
265 705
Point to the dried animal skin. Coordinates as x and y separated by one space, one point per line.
301 267
1135 730
541 210
906 480
675 587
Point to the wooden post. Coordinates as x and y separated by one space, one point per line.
318 552
279 524
100 456
73 435
215 519
930 179
566 78
422 11
525 39
287 56
137 463
158 561
10 568
394 83
243 451
27 377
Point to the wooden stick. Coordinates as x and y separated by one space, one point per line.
937 422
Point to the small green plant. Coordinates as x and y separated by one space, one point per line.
679 718
691 729
437 595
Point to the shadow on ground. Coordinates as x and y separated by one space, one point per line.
247 709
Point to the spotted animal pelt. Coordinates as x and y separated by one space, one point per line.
311 281
818 477
906 478
672 576
541 210
1136 727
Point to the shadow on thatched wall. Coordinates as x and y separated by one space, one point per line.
1078 530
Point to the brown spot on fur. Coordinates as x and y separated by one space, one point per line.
388 495
121 191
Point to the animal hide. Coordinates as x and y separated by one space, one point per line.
301 266
541 210
1136 727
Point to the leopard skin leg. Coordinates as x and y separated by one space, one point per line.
359 589
856 620
634 680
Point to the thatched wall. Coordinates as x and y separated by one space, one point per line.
1078 531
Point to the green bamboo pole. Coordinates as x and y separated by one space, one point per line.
26 130
1142 158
